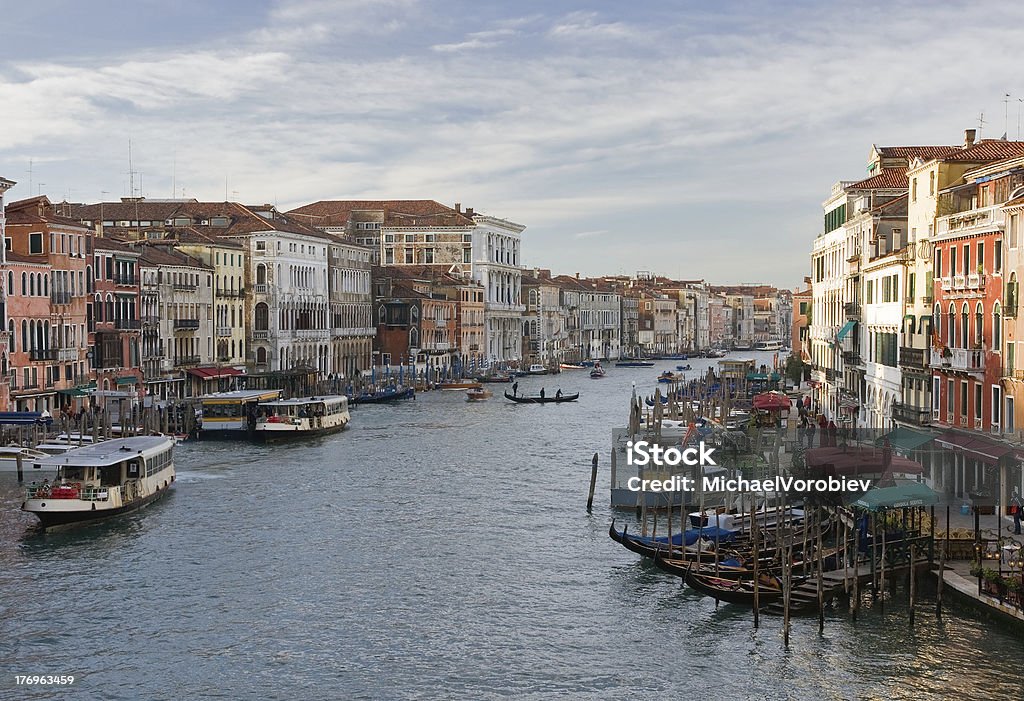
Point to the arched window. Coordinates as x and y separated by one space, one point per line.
261 274
88 278
24 284
997 328
414 337
382 315
965 328
262 320
261 355
13 336
10 282
414 315
951 326
533 298
110 308
979 325
32 284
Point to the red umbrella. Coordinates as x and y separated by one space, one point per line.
771 401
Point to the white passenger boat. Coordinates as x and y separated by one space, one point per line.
9 458
302 416
102 480
768 345
232 414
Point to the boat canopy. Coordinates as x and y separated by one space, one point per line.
109 452
24 418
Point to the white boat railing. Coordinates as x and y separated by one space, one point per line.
67 492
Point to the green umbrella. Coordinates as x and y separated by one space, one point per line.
908 494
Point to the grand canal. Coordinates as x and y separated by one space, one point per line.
436 549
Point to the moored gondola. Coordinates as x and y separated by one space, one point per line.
769 590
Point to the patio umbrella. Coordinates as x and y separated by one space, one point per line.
898 497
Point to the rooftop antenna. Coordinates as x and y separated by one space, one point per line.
30 177
981 124
1006 113
131 173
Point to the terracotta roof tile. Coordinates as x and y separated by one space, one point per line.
888 179
400 213
908 152
987 150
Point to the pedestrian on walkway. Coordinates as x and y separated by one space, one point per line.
1015 508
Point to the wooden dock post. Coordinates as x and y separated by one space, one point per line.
786 594
942 582
881 564
20 459
913 579
593 484
855 598
757 576
821 591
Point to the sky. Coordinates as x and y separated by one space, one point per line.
685 138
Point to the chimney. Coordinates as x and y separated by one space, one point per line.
969 135
577 276
458 207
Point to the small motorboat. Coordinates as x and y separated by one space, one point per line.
460 384
572 366
497 377
478 394
633 363
537 370
667 377
597 372
683 368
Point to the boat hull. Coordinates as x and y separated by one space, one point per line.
542 400
384 397
296 433
49 519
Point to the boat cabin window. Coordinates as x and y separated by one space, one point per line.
155 463
134 469
110 475
222 411
74 474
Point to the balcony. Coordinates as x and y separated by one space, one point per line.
914 358
259 289
186 324
852 310
969 222
149 319
185 287
60 298
234 293
1010 311
260 335
127 324
910 414
126 280
960 360
185 360
223 331
959 282
42 354
67 355
851 357
946 283
976 281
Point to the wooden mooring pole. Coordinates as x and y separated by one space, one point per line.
942 581
913 579
593 484
19 458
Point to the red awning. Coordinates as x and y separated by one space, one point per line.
986 451
213 373
856 460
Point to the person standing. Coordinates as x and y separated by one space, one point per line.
1016 504
515 388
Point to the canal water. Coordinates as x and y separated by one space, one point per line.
436 549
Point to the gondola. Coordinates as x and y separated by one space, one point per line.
384 395
650 547
736 591
728 568
542 400
634 364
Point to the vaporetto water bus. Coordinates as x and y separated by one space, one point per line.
233 414
302 416
102 480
